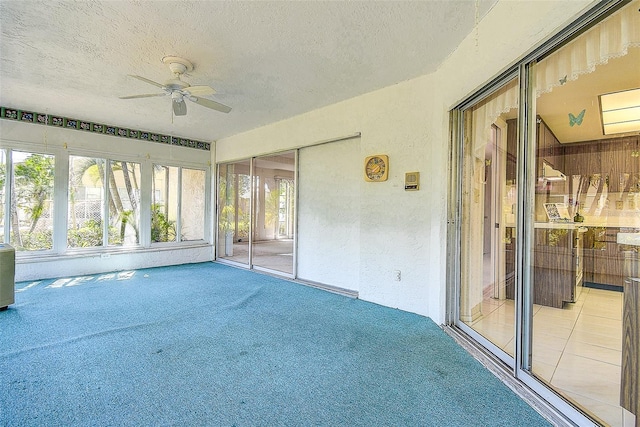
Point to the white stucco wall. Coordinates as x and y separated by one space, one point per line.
400 230
94 263
329 213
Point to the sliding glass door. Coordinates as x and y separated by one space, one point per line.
234 211
488 219
587 166
274 201
256 212
548 178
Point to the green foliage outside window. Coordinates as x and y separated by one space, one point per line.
90 235
162 229
33 191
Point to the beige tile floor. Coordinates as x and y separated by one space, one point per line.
272 254
576 349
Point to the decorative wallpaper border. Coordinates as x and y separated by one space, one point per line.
85 126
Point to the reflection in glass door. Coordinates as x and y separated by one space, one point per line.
488 254
234 211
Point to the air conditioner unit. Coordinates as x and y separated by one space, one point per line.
7 275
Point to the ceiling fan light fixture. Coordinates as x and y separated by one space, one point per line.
179 107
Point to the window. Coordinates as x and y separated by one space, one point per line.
97 210
31 204
164 205
178 204
86 196
192 205
124 190
109 203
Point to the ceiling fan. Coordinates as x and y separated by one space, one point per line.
180 90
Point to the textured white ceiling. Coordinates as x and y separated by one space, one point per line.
267 60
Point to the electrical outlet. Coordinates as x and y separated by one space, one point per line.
397 276
105 255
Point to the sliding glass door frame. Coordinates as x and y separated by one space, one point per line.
524 214
254 184
218 256
252 208
519 366
454 221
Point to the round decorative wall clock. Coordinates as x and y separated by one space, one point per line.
376 168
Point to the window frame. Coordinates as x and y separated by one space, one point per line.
9 188
61 183
207 205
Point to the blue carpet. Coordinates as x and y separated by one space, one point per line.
210 345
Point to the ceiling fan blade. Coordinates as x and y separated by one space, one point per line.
179 107
147 95
151 82
200 90
210 104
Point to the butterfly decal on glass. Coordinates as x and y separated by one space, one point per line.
576 120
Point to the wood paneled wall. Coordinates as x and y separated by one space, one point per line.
630 374
607 156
